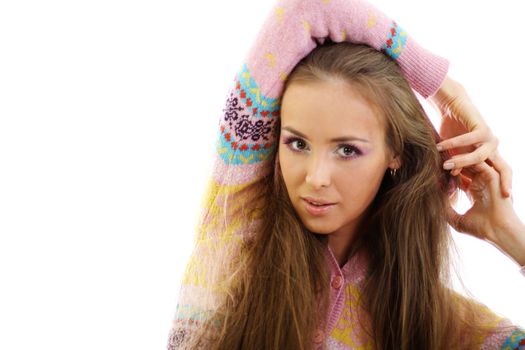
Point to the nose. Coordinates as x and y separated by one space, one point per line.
318 172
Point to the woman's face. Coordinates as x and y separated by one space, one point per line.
332 148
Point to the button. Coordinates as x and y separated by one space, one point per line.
337 282
319 336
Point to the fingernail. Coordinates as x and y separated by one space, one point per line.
439 147
448 165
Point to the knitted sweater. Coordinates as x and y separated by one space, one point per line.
246 143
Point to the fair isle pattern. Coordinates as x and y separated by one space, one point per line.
396 41
248 121
187 319
191 315
516 341
347 331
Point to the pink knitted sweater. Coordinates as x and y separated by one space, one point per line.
245 145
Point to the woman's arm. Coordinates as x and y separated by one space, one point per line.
510 239
294 28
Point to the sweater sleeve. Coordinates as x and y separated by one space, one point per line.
295 27
292 29
511 338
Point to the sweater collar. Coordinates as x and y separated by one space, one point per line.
355 268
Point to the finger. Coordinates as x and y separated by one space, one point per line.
488 172
455 172
505 172
487 175
468 159
481 169
471 138
472 171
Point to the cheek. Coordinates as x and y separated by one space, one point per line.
360 186
291 170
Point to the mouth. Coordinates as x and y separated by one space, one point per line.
317 209
316 202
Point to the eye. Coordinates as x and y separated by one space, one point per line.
349 151
294 140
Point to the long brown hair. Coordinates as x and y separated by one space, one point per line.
274 288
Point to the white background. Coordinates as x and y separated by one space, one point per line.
108 117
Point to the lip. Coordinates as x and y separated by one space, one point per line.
317 211
316 200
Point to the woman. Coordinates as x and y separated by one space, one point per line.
386 203
265 275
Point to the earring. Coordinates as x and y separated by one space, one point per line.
393 172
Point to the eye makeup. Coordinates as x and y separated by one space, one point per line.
355 151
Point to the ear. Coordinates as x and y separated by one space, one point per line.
395 162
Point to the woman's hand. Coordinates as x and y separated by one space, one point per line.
466 135
492 216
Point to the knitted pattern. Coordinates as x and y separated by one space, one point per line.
516 341
396 41
246 144
249 117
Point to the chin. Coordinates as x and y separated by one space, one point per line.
319 229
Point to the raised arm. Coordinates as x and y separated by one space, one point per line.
292 29
295 27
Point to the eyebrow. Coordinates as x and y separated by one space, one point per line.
337 139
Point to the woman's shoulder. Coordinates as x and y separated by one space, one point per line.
487 328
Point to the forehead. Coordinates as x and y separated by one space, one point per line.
330 107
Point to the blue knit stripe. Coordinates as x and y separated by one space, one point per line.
396 42
185 313
240 157
516 341
253 92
